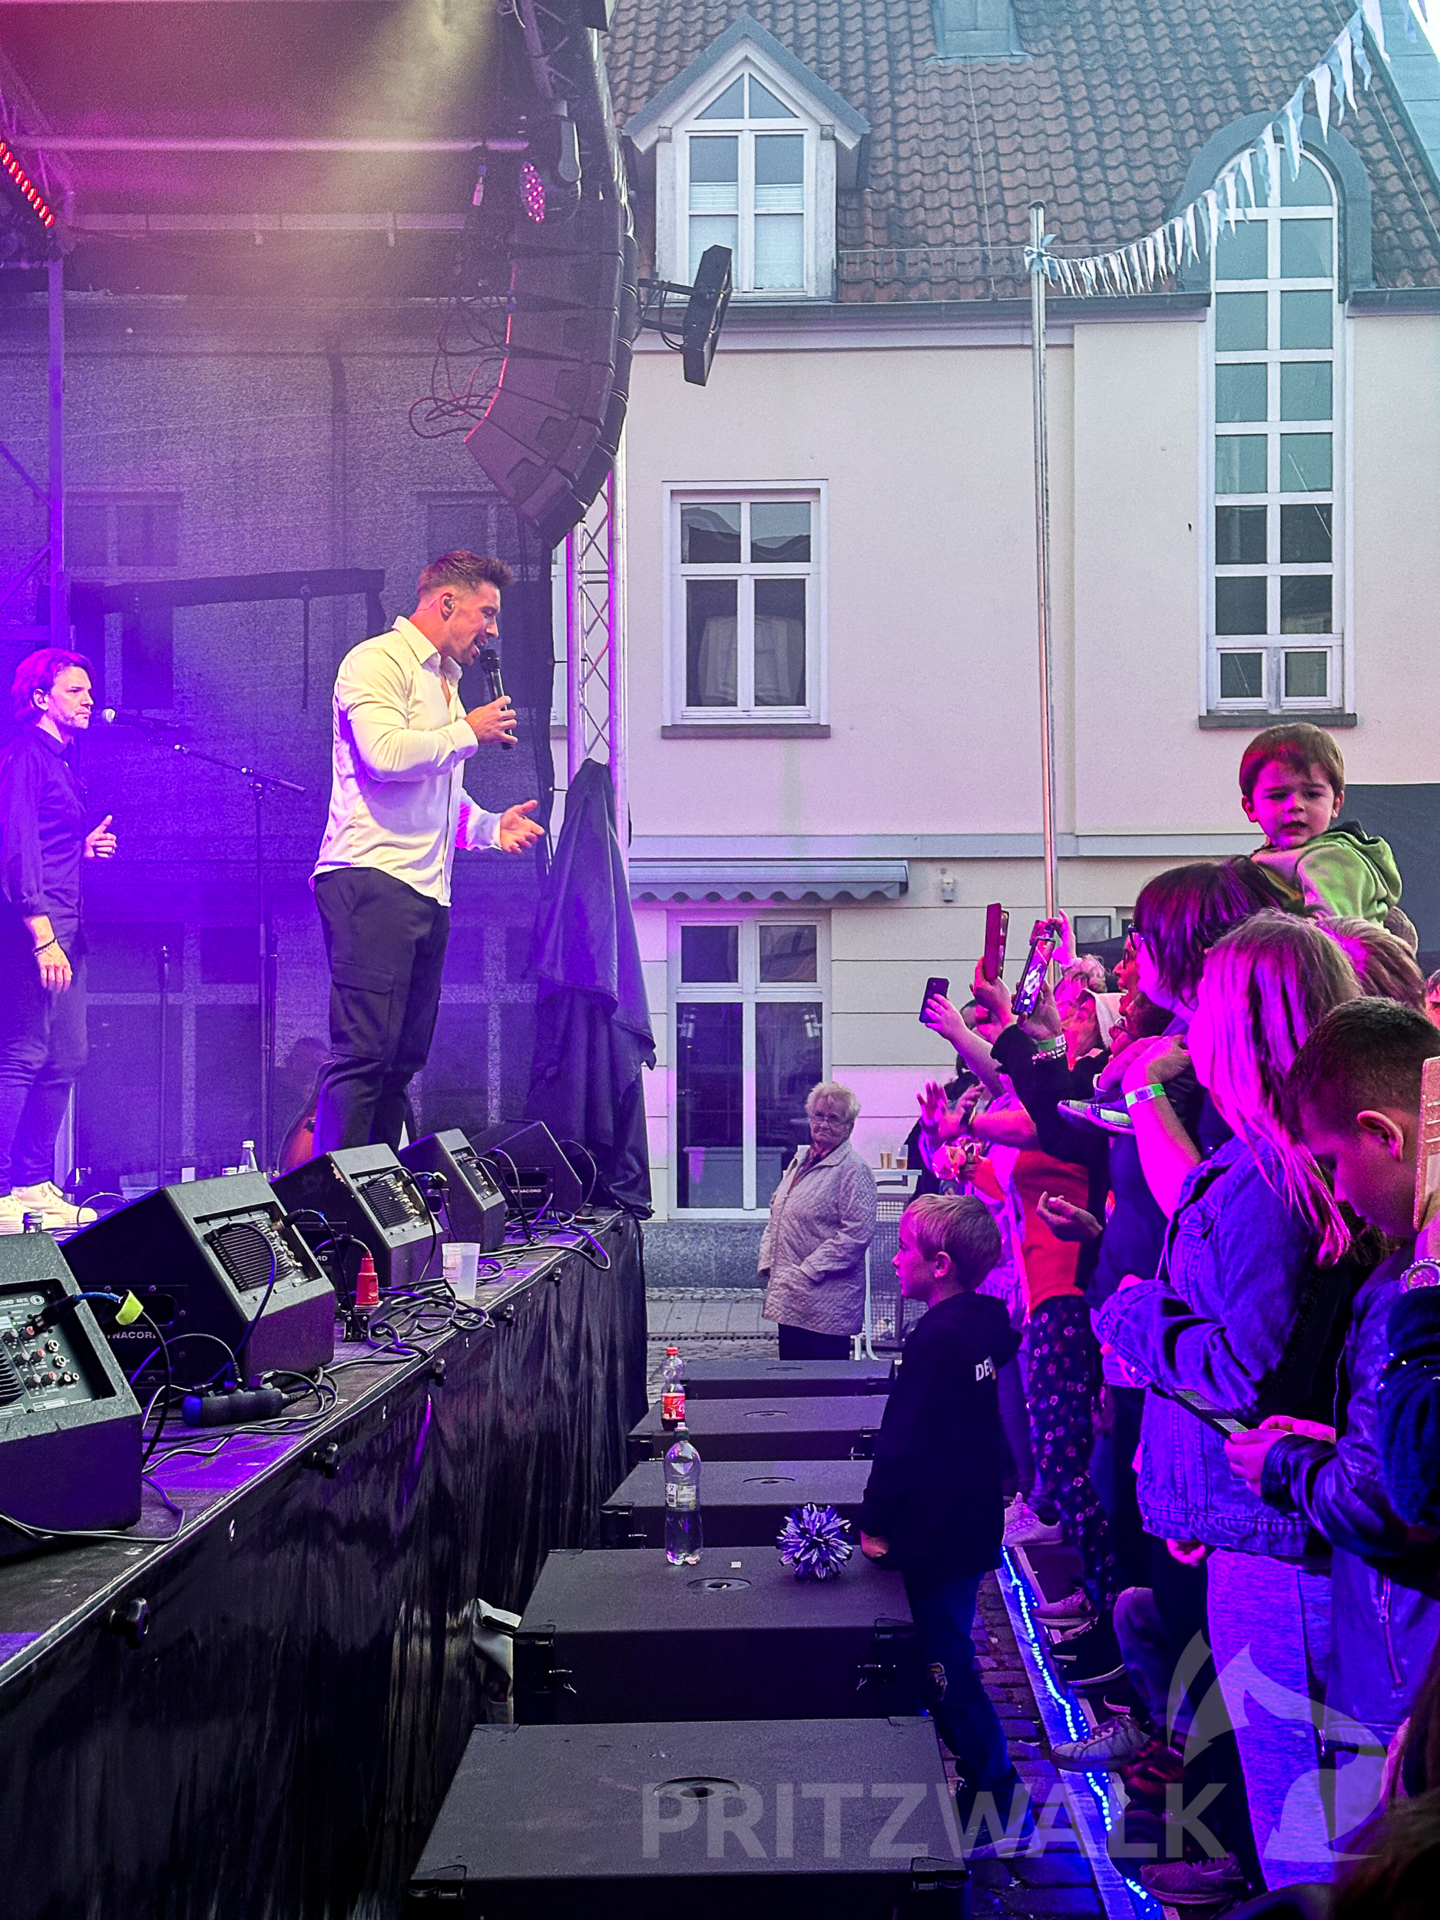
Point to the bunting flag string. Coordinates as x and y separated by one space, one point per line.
1140 266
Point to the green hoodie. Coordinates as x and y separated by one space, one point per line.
1343 871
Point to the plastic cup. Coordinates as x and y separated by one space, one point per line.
462 1267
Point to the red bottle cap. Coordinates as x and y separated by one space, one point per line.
367 1286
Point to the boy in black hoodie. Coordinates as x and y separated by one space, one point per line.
933 1506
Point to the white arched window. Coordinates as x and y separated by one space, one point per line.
1275 626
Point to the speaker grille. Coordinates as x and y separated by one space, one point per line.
392 1201
245 1248
11 1385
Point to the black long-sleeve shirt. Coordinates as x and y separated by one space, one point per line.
42 832
935 1487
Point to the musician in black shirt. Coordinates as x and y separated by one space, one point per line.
43 841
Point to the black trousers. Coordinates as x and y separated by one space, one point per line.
43 1040
798 1343
386 946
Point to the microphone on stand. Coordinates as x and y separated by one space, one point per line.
115 717
490 666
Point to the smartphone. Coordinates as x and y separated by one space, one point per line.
1427 1157
933 986
997 925
1043 942
1223 1423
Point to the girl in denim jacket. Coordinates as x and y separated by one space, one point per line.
1247 1313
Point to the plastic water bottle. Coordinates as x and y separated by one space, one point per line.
672 1391
683 1535
248 1162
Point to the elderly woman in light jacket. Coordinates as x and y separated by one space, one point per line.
822 1215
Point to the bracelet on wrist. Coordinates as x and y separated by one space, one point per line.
1055 1044
1152 1090
46 945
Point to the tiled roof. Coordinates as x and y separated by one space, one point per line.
1101 120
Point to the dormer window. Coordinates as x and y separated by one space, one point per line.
747 180
748 148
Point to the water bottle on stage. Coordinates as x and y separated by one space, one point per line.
672 1391
683 1534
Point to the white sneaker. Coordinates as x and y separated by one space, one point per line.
1113 1744
1069 1611
12 1214
54 1209
1025 1528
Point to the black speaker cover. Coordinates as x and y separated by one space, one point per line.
743 1503
627 1822
198 1256
473 1205
820 1427
785 1379
626 1636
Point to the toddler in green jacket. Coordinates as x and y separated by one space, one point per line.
1292 785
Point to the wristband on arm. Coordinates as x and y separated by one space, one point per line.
1152 1090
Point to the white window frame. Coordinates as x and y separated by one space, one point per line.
672 185
750 717
1273 645
748 992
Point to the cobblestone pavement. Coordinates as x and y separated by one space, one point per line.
716 1322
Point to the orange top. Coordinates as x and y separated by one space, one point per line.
1049 1263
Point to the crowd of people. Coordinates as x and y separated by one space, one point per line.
1170 1242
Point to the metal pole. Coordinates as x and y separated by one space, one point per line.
574 659
1042 547
616 622
161 1114
55 482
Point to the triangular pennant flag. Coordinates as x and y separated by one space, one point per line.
1136 266
1177 240
1212 218
1375 21
1342 66
1357 49
1271 154
1412 32
1151 265
1232 199
1292 114
1247 170
1190 231
1320 80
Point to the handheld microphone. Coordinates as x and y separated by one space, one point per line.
114 717
490 667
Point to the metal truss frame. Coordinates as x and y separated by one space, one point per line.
595 707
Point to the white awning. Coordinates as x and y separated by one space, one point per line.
761 880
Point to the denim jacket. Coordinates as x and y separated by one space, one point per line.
1241 1315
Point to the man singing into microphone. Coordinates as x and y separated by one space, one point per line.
42 948
398 810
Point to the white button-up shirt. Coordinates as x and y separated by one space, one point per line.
397 795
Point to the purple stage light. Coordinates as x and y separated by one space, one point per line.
532 190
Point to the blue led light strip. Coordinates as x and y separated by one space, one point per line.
1063 1719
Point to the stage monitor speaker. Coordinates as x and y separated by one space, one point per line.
531 1167
746 1502
474 1206
199 1257
611 1635
69 1423
367 1192
707 1821
820 1427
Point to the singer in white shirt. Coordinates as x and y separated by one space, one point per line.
398 810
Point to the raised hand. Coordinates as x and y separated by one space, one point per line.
100 841
516 831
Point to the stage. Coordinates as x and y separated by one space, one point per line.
258 1719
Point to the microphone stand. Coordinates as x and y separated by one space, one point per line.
260 784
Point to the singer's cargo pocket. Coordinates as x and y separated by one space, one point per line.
364 1020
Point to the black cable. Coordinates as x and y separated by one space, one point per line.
41 1534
